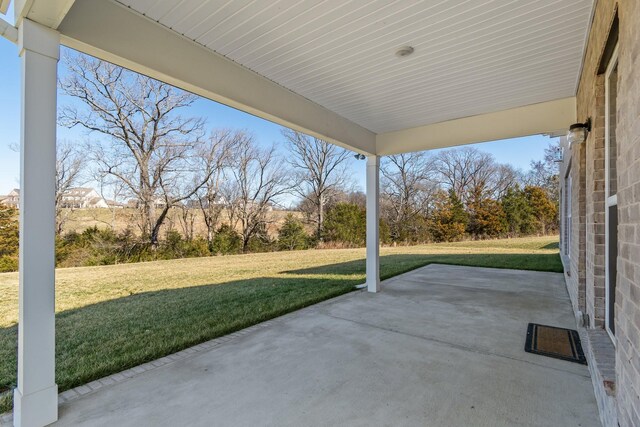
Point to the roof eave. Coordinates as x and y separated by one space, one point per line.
4 6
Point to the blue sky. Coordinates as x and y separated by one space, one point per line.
518 152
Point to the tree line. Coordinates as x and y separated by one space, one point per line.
143 148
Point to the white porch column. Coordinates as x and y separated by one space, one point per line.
36 397
373 223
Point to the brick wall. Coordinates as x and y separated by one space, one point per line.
601 356
591 104
587 264
628 285
574 164
594 107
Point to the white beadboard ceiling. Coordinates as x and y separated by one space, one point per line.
471 57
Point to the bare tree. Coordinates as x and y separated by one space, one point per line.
222 144
320 171
187 218
408 188
505 177
465 171
147 144
70 164
112 190
257 181
545 173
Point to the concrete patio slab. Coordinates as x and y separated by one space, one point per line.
440 346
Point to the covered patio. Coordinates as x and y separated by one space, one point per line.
443 345
378 78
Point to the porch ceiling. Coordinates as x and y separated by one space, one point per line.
482 70
471 57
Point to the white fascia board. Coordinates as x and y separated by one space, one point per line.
543 118
115 33
49 13
4 6
8 31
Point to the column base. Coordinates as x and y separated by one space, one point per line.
373 287
37 409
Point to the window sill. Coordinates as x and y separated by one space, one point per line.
602 357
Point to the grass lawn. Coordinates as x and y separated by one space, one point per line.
112 318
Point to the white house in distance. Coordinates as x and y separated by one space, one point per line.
11 199
74 198
82 197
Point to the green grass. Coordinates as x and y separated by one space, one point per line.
112 318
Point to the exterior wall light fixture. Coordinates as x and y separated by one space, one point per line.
578 132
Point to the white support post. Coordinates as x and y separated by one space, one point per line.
373 223
36 397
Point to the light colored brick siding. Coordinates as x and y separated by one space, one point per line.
628 285
590 103
575 159
595 207
588 238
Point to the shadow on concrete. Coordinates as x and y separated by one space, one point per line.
108 337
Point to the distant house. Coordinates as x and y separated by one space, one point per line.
76 198
115 205
12 199
137 204
203 202
81 197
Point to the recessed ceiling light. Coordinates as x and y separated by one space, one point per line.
404 51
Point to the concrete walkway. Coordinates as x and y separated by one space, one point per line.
440 346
